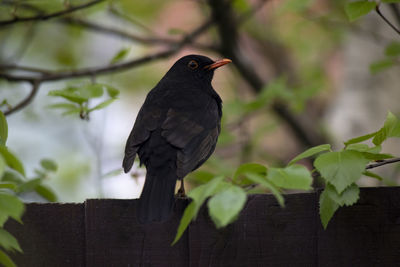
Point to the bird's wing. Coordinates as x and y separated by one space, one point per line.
194 134
146 122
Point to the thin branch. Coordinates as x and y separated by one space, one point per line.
45 76
35 88
396 12
84 72
227 25
8 67
51 15
115 32
377 9
382 162
130 36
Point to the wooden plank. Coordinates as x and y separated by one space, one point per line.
52 235
366 234
264 235
115 238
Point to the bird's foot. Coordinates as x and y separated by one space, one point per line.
181 191
180 194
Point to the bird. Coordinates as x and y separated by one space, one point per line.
175 132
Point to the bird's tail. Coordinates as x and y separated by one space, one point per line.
157 199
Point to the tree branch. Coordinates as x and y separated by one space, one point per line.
35 88
51 15
41 75
377 9
228 31
128 36
382 162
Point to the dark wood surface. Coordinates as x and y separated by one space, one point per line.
106 233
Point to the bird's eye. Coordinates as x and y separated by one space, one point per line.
193 64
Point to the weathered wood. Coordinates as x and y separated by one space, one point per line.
366 234
115 238
53 235
106 233
263 234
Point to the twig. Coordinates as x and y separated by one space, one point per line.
396 12
386 20
115 32
35 88
129 36
47 75
382 162
51 15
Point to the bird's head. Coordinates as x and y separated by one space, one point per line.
195 68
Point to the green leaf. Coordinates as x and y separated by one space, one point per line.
3 129
201 176
49 165
249 168
29 185
341 169
198 195
393 49
103 104
2 166
8 185
46 192
67 106
188 215
358 147
111 91
225 206
381 65
292 177
391 128
12 161
91 90
8 241
355 10
348 197
373 175
327 207
120 55
202 192
72 94
6 260
376 156
311 152
12 176
390 1
371 153
12 206
359 139
76 110
262 180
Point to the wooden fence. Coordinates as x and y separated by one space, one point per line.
104 232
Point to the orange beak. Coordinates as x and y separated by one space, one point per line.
218 64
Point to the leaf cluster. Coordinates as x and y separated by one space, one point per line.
14 182
79 96
340 170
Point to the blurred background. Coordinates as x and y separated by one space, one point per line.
302 75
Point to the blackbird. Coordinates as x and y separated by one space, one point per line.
175 132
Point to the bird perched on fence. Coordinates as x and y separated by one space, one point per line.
175 132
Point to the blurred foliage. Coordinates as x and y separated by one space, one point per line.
13 184
290 42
